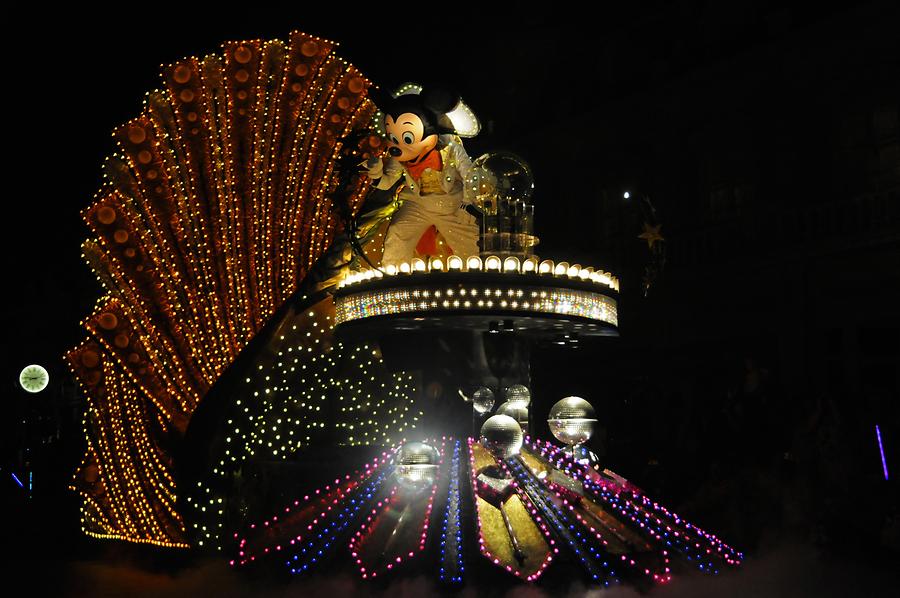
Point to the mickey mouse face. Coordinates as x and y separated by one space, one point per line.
405 141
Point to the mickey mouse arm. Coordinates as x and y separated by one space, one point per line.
463 165
391 173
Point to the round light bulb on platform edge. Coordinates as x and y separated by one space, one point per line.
502 436
572 420
483 400
416 465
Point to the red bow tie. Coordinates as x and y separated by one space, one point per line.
430 160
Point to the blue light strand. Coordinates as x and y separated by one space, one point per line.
326 496
629 561
680 541
716 546
628 510
648 523
452 569
382 507
593 559
313 549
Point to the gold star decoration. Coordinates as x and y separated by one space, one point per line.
651 234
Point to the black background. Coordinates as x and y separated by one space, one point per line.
738 122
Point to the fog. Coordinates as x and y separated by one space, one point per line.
792 569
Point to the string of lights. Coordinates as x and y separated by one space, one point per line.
284 408
302 515
210 213
334 523
638 556
394 547
702 549
452 558
499 548
594 560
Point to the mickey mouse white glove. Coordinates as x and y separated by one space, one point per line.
374 168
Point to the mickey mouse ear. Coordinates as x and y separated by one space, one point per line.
464 121
407 88
382 97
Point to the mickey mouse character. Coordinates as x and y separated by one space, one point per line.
426 152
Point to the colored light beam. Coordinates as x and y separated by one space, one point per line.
21 485
881 450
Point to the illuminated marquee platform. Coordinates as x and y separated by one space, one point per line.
541 297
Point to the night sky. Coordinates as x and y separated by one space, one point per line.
738 122
544 85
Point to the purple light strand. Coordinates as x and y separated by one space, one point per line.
881 450
640 514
